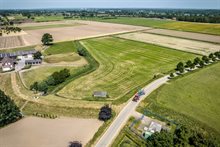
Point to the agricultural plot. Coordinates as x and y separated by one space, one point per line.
194 95
11 41
206 28
187 35
42 73
124 65
175 43
88 30
48 132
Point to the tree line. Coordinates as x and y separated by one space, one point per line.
182 136
197 62
9 112
56 78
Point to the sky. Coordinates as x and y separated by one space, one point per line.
33 4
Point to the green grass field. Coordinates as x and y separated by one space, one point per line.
42 73
195 95
61 48
68 57
49 26
124 65
167 24
48 18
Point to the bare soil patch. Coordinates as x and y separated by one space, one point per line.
187 35
175 43
90 29
40 132
11 42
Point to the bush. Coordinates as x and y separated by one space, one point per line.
75 144
37 55
105 113
43 87
171 75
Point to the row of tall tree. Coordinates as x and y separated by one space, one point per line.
9 112
180 67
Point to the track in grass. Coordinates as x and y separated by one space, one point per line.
124 65
195 95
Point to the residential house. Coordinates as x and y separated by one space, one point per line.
8 64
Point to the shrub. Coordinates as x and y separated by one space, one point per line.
171 75
105 113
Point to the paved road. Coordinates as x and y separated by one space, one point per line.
112 132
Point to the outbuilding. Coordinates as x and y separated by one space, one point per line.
101 94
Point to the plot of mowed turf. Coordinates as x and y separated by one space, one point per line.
61 48
124 65
67 57
41 73
196 95
207 28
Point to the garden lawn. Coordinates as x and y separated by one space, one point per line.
124 65
61 48
41 73
196 95
206 28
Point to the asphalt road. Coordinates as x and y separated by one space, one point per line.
114 129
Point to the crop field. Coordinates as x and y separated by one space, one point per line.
17 49
124 65
11 41
206 28
175 43
49 26
195 95
187 35
87 30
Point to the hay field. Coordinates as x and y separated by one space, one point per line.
175 43
187 35
48 132
124 65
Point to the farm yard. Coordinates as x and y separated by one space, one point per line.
175 43
124 65
194 96
48 132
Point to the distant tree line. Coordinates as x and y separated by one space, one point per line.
53 80
192 15
182 137
9 112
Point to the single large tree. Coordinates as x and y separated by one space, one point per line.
47 39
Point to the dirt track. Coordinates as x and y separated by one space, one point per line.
189 35
40 132
175 43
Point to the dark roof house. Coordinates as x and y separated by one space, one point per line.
18 53
8 64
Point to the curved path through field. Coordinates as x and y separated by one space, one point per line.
126 112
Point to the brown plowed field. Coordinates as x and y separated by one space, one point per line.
188 35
